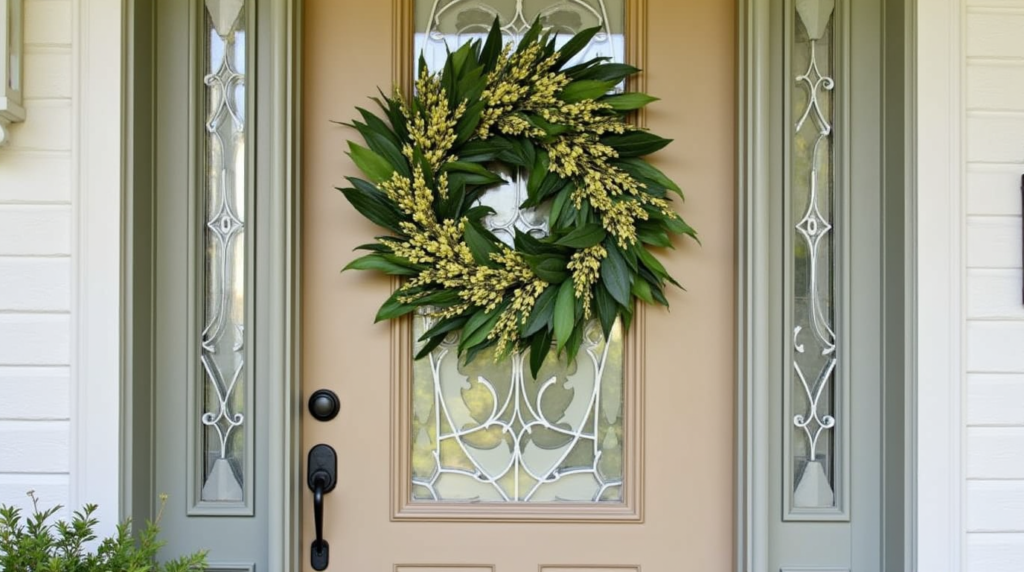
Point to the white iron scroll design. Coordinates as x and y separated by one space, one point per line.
223 336
815 229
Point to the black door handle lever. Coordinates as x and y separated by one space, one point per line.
321 476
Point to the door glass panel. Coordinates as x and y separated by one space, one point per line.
223 347
814 264
489 431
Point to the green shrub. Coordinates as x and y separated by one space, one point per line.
35 544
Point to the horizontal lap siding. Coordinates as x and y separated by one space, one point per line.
36 247
994 148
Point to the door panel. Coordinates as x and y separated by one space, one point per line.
683 516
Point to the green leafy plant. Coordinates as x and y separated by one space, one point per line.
38 543
529 108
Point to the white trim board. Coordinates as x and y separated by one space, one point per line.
97 122
939 286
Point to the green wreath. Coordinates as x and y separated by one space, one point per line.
522 107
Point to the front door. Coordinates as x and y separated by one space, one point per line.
436 470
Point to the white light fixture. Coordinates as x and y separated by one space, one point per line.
12 17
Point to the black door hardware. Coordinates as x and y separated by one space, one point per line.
321 476
324 405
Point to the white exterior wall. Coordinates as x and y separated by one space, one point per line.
36 267
60 211
993 101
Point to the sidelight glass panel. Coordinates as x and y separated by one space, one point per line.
812 200
491 432
223 337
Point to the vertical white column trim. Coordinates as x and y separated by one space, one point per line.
939 286
96 255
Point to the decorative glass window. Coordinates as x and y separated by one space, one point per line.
812 203
223 352
491 432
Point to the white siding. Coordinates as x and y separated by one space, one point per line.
994 412
36 246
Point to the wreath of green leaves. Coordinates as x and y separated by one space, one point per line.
525 107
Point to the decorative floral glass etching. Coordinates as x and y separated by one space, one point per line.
490 432
223 348
487 431
812 201
451 23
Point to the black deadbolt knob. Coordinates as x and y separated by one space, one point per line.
324 405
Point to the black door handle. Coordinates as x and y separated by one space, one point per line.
321 476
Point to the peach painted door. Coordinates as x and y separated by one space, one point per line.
630 465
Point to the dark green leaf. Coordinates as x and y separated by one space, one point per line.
476 174
374 207
373 165
439 298
575 45
483 150
451 207
481 243
605 72
572 347
584 236
479 335
392 308
537 174
540 346
644 170
626 316
607 309
540 316
659 296
641 289
628 101
492 47
429 347
531 35
616 275
386 149
635 143
679 226
653 235
474 351
576 71
580 90
373 247
468 123
648 259
565 313
528 244
379 126
559 203
445 326
550 268
550 129
381 263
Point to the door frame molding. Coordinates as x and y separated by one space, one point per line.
934 336
931 341
280 257
937 161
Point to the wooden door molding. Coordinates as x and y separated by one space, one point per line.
402 507
277 253
758 167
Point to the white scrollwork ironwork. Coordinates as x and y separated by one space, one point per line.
223 336
814 357
451 23
520 439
